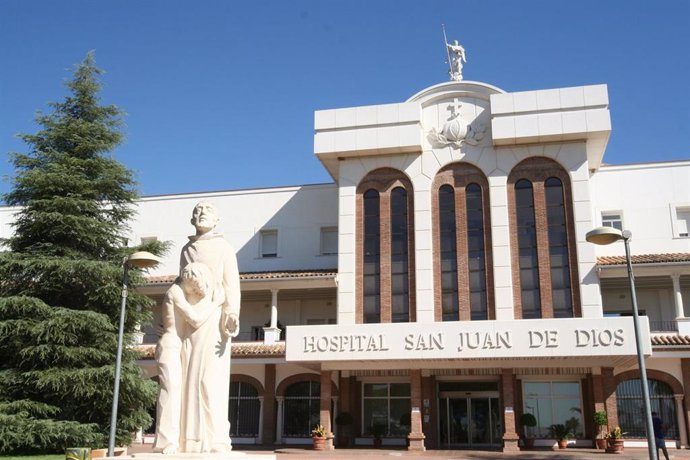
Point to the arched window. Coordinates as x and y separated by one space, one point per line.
372 258
301 408
476 252
558 249
630 407
244 410
448 253
462 242
400 286
385 248
527 246
544 259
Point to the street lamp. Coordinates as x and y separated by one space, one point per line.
141 259
608 235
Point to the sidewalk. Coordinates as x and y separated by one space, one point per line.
293 453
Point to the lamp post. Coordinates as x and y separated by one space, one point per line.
140 259
608 235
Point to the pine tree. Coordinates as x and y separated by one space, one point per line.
60 282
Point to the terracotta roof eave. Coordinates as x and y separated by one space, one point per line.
287 275
646 259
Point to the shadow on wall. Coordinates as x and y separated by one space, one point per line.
291 234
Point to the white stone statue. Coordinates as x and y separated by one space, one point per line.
200 315
457 57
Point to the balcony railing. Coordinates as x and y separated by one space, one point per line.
663 326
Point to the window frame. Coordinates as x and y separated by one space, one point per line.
674 208
324 230
610 217
266 233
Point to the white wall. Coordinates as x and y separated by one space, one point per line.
298 213
644 193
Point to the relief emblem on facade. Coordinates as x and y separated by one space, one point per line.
457 130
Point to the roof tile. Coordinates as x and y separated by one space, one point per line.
645 259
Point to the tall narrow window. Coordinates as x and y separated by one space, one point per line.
527 250
476 252
372 258
558 249
400 298
449 253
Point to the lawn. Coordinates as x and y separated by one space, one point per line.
35 457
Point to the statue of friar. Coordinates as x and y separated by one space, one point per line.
200 315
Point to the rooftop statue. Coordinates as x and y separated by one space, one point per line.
456 54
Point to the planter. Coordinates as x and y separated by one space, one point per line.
562 443
601 443
615 446
528 443
100 453
319 443
378 442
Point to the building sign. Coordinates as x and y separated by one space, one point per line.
467 339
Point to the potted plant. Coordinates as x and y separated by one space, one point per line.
562 433
615 441
378 430
528 421
344 420
601 420
318 436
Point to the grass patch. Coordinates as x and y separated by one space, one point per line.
34 457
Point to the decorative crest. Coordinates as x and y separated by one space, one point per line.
456 57
456 130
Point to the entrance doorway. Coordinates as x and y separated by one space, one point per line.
469 419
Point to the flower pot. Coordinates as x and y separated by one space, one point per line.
601 443
529 443
615 446
378 442
562 443
319 443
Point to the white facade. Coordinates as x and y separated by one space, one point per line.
297 276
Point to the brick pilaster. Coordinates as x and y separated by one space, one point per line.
416 435
325 413
510 436
269 408
608 383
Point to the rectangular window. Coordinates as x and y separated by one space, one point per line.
682 221
554 403
329 241
612 219
269 243
386 406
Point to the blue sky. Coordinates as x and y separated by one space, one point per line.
221 94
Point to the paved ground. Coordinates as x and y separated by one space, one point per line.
392 454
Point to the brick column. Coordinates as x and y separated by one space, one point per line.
325 413
685 368
608 385
416 435
429 411
510 436
269 405
680 417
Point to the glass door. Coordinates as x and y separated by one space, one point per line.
469 421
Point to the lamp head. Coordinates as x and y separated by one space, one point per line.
604 235
142 259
